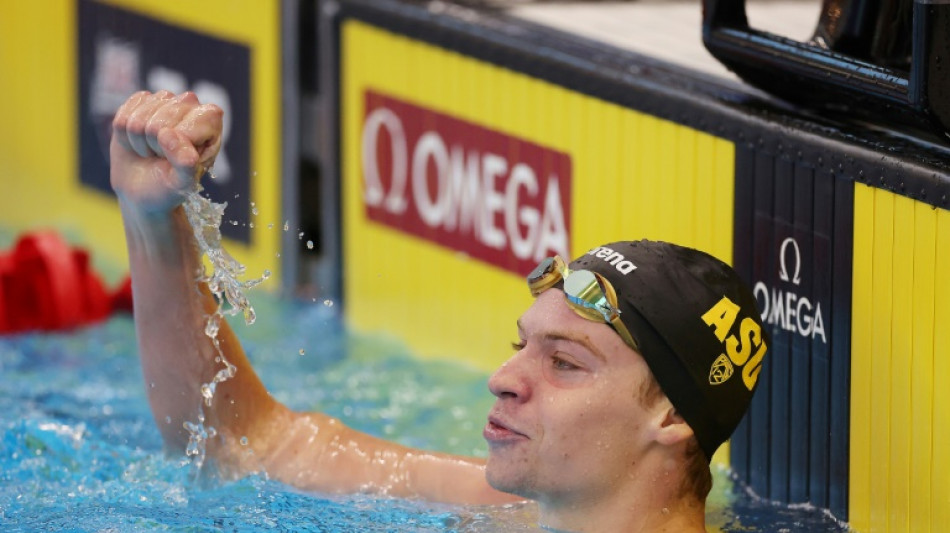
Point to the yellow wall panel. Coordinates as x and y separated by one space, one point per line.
39 144
922 365
901 354
626 183
723 198
939 484
881 301
669 154
701 192
900 365
862 279
406 292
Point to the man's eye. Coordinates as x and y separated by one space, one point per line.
558 363
564 371
518 346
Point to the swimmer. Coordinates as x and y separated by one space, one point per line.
633 364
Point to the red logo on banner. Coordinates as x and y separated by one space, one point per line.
497 198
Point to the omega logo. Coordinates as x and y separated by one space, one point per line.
461 186
783 271
785 308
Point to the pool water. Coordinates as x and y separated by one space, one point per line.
79 450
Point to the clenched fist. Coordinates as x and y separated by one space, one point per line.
161 145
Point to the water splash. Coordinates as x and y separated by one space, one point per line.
223 279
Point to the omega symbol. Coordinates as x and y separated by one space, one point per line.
783 269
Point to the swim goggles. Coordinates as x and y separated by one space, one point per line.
588 293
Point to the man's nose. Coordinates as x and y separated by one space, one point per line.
513 379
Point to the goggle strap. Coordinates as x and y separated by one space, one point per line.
624 333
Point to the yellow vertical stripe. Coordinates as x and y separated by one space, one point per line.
587 179
555 119
592 181
683 184
702 191
881 301
579 138
667 230
922 365
724 199
859 497
940 480
630 190
608 178
900 358
650 177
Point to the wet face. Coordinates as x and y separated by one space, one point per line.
567 423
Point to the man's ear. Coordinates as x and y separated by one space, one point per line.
671 428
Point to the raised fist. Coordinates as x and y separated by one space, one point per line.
161 145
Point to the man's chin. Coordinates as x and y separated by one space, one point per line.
504 479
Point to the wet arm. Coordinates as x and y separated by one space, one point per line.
161 144
316 452
170 310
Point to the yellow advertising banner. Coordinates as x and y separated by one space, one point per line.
67 66
458 176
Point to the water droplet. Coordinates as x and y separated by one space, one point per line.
300 235
251 224
151 385
168 420
270 226
253 210
286 225
278 254
328 303
266 273
205 218
310 245
243 441
301 352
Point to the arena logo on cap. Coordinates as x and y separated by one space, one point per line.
495 197
614 258
738 344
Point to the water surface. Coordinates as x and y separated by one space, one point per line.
79 450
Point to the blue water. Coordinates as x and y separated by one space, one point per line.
79 450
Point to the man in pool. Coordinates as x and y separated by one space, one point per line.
633 364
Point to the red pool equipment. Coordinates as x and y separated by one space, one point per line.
47 285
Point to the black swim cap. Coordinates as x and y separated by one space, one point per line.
697 326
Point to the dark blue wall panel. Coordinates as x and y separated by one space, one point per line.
793 240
